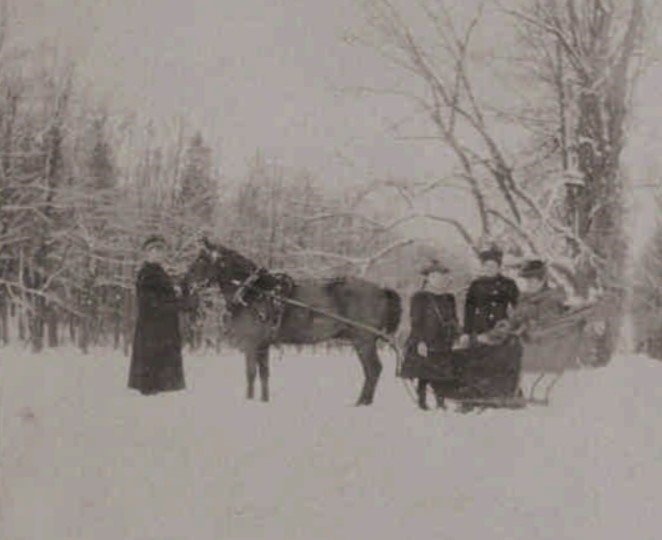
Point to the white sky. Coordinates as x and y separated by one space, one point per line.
252 73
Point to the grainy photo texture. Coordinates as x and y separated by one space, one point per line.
286 269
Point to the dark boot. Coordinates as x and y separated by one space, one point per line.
439 395
465 408
441 401
421 390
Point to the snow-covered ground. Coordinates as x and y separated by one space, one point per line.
85 458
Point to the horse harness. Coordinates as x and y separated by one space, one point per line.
270 308
280 294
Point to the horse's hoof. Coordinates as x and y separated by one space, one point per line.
466 409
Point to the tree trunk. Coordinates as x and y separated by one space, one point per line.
84 335
128 323
52 327
37 324
4 322
117 330
21 326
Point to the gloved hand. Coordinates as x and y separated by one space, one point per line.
462 342
422 349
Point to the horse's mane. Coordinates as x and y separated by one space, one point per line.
278 282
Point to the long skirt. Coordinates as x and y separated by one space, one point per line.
156 364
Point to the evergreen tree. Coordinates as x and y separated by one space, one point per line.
197 183
100 161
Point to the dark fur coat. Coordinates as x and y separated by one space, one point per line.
156 358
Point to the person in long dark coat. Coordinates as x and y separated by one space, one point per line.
490 296
156 357
434 328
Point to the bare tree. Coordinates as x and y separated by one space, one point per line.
584 50
589 52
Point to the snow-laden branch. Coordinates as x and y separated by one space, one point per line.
370 261
14 286
339 215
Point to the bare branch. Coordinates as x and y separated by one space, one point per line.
370 261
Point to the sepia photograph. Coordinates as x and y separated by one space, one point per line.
301 269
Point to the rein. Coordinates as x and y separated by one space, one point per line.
328 314
334 316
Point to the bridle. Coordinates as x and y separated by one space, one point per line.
243 286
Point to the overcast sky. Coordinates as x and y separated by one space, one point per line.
265 74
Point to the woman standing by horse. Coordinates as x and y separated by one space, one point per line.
156 358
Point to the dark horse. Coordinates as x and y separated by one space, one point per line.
258 320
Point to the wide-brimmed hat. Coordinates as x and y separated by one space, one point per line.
533 269
154 240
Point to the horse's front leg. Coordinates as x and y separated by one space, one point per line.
263 366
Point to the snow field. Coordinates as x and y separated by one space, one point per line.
85 458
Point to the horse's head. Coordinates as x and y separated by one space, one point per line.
217 264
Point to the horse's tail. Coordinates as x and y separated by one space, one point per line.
393 314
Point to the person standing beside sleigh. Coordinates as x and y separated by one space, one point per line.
434 327
156 356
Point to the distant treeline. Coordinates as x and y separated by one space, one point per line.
80 189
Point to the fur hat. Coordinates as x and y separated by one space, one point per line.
154 239
492 253
534 269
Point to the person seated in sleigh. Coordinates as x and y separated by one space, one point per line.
540 304
485 369
434 328
491 297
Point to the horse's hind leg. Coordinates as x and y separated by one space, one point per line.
263 366
372 368
251 372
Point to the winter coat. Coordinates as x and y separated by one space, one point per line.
533 313
487 302
156 357
551 334
433 322
536 310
